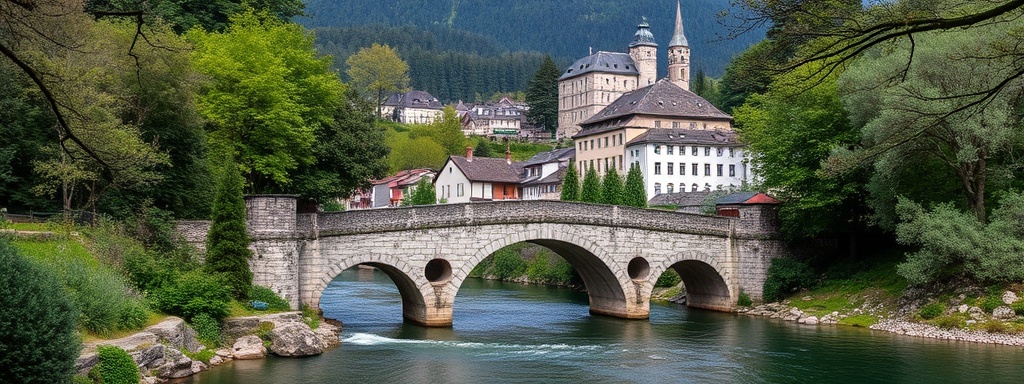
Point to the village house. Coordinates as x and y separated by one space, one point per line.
495 120
413 107
389 191
465 179
543 174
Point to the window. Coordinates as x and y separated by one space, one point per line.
693 124
592 144
719 151
694 188
671 188
657 123
657 168
669 149
657 189
599 142
682 171
707 169
620 162
719 169
732 170
607 164
694 169
620 139
460 190
670 167
707 151
732 152
657 149
591 163
675 124
606 144
581 146
693 150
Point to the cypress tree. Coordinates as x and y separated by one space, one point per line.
591 190
635 195
227 244
571 184
611 188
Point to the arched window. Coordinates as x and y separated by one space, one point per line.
694 188
657 189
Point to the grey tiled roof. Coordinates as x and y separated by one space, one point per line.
413 99
681 199
554 178
490 170
662 98
643 35
604 62
550 156
685 136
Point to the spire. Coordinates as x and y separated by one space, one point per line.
678 38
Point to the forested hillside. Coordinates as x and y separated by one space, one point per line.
479 31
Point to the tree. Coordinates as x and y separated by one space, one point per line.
410 153
447 131
790 132
635 195
44 349
912 114
267 94
571 184
483 149
210 15
376 71
542 96
424 194
590 192
611 188
348 152
227 243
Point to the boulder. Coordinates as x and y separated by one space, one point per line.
962 308
216 360
295 339
328 334
174 332
151 357
1009 297
976 313
248 348
1003 312
810 320
177 366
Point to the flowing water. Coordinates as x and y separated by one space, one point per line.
514 333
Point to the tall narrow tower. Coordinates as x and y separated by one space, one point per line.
644 52
679 54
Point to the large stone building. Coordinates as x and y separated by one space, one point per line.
593 82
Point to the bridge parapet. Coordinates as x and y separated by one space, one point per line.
518 212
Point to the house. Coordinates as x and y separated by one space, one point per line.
543 174
688 160
496 120
413 107
465 179
389 191
594 82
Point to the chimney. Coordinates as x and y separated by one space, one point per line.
469 154
508 155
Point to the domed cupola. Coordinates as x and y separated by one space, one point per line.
643 35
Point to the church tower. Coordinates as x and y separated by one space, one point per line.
679 54
644 52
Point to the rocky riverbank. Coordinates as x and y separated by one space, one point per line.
162 351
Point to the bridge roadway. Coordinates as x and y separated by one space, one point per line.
428 251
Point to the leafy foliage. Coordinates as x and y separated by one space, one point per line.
571 184
377 71
542 96
954 244
590 191
192 294
227 243
669 278
185 14
611 188
931 310
786 275
635 195
424 194
266 295
483 149
508 264
207 329
115 366
40 343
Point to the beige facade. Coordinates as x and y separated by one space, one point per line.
646 59
604 150
581 97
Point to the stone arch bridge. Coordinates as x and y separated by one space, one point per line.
428 251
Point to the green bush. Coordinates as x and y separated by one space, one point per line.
669 278
1018 308
310 316
266 295
207 329
115 366
931 311
105 301
786 275
39 342
194 293
991 302
744 299
508 264
948 322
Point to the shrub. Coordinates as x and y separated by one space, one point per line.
668 279
744 299
948 322
786 275
310 316
508 264
207 329
115 366
991 302
994 326
39 343
931 311
1018 308
192 294
105 301
266 295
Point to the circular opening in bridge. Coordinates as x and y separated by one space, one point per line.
438 271
638 268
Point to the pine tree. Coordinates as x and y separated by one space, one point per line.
635 195
591 190
571 184
542 96
227 244
611 188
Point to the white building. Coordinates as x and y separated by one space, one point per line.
543 174
682 160
413 107
465 179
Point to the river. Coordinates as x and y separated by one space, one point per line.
526 334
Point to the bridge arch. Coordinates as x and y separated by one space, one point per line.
707 282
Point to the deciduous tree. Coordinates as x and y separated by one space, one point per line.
376 71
